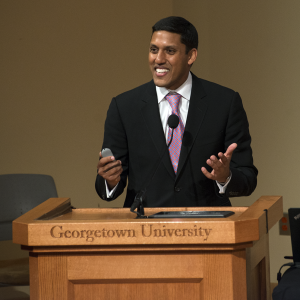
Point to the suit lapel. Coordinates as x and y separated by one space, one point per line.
196 113
150 111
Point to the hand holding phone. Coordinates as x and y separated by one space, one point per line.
109 169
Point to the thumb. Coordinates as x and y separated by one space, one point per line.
230 150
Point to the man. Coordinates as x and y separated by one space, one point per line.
209 159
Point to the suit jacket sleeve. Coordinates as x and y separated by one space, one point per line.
244 173
114 138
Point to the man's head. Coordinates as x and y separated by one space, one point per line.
173 49
186 30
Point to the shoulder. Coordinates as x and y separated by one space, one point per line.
148 87
130 102
212 88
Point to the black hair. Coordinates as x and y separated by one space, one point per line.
187 31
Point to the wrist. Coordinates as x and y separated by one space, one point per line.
223 182
111 184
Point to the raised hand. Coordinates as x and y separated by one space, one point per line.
220 166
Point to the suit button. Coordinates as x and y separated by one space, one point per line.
177 189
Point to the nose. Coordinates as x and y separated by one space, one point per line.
160 57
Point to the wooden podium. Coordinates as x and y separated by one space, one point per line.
87 254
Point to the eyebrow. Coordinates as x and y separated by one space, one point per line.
166 47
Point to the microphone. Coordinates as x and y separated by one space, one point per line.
173 122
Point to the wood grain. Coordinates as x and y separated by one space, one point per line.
120 227
84 254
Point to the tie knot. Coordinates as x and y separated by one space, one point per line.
173 100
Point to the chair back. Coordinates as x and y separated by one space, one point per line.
19 193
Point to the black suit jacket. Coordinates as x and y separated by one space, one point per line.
216 119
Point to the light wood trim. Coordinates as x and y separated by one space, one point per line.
20 225
274 205
43 208
258 269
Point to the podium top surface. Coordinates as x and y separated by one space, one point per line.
56 223
124 215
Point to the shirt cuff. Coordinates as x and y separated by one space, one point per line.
223 185
109 194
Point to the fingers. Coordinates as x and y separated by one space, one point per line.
108 165
207 174
219 172
226 157
111 172
223 158
230 150
113 175
214 162
109 168
104 161
220 165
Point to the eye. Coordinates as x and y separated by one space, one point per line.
153 50
171 51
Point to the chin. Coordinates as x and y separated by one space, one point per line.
159 82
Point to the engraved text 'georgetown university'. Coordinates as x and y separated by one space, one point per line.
145 231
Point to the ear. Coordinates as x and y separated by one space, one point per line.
192 56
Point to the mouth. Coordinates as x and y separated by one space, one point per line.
160 72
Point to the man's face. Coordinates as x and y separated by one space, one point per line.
168 60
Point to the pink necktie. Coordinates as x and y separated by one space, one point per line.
175 146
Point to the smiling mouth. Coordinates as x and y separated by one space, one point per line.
161 72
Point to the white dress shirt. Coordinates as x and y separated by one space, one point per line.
165 111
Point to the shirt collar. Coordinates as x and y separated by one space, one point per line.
184 90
